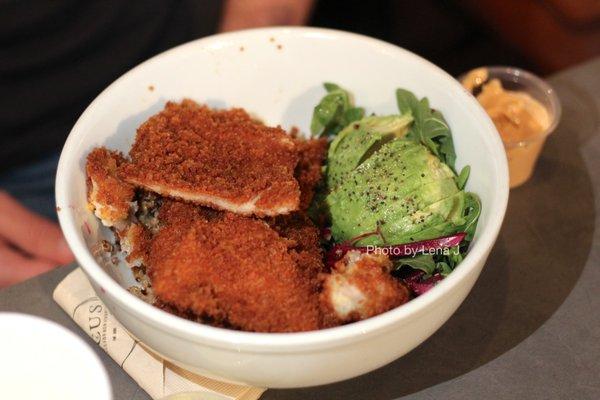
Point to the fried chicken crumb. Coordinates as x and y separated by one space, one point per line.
233 270
134 241
222 159
359 287
305 246
308 172
108 196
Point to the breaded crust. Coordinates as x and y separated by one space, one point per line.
108 196
360 286
221 159
135 242
305 246
308 172
233 270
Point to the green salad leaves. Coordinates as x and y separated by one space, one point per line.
334 112
429 127
394 175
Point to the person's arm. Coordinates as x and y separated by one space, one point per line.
243 14
29 243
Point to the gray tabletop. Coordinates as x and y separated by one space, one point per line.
530 328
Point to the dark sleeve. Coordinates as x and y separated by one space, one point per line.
56 56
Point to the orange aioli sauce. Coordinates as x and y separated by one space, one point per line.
520 119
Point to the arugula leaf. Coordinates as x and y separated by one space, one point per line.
431 264
407 101
456 255
352 114
444 138
461 179
423 262
334 112
331 87
471 212
445 263
443 268
429 127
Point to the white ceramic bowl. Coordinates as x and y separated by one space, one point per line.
276 73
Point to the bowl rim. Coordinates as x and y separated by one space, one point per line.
296 341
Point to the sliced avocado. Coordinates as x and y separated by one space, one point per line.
400 225
351 150
438 219
358 141
402 191
396 124
416 166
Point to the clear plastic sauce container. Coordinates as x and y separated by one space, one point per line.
524 108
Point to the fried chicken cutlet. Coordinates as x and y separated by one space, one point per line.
305 242
233 270
108 196
359 287
221 159
308 172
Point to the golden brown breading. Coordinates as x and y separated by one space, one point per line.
135 242
204 177
221 159
108 196
360 286
178 213
233 270
306 242
308 172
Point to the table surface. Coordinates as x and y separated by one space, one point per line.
530 328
